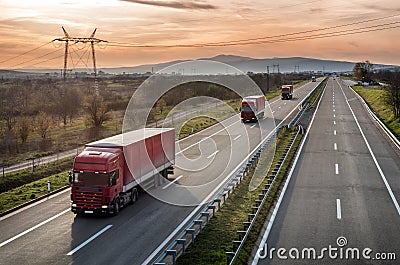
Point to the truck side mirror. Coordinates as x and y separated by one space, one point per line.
70 177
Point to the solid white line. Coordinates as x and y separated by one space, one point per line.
338 210
205 138
275 212
89 240
337 169
33 228
213 154
334 132
212 193
237 137
253 126
175 180
335 146
34 204
389 189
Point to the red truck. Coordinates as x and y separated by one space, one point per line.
287 91
252 108
107 173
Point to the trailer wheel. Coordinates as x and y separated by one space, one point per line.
134 195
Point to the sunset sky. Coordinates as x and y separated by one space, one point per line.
25 25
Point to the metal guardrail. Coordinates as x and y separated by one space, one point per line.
187 236
305 105
255 210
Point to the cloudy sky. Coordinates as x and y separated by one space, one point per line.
150 25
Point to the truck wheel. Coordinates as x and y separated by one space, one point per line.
116 207
134 196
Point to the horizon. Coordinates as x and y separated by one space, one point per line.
151 32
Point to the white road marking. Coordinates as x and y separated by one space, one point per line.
89 240
273 111
33 228
338 210
237 137
213 154
212 193
334 132
334 115
335 146
333 110
279 107
169 184
205 138
337 169
34 204
253 126
275 212
389 189
334 122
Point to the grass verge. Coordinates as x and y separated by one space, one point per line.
375 97
18 178
27 192
216 239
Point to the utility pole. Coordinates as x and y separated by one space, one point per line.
91 39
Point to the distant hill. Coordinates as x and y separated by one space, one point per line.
247 64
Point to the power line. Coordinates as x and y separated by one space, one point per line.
19 55
249 40
41 56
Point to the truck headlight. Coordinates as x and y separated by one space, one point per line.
73 205
104 206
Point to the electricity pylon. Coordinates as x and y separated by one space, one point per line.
92 40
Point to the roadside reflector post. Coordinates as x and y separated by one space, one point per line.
48 186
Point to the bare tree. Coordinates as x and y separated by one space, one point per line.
363 71
43 122
393 95
161 104
23 127
96 110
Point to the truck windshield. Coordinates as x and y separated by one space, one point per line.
92 179
247 109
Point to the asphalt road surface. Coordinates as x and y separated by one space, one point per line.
345 188
48 233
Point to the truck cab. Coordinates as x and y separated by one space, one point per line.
97 180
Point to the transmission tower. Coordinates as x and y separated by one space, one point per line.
91 39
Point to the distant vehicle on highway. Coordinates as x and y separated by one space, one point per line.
313 79
287 91
106 174
253 108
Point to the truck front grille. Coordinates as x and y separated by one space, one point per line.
88 199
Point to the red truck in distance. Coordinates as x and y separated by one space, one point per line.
287 91
253 108
107 174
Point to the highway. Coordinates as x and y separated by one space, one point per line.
48 233
346 183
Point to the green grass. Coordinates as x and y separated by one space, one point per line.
375 97
22 177
216 239
27 192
